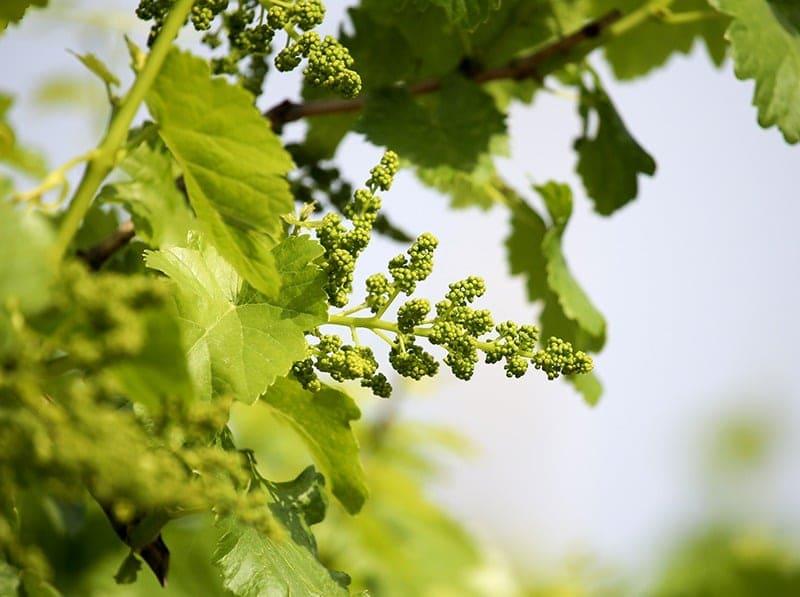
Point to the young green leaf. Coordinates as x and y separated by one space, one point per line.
98 68
765 36
534 251
452 129
589 387
239 340
574 302
611 161
158 209
323 421
234 166
479 188
253 564
653 42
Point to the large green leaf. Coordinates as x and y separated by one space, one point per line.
650 44
254 565
452 128
765 36
610 161
468 13
239 340
12 11
26 264
158 209
323 421
402 41
233 164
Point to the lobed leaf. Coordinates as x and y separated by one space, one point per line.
611 161
452 129
253 564
323 421
234 165
158 209
239 340
765 37
652 43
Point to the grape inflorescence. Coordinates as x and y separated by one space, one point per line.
249 27
453 324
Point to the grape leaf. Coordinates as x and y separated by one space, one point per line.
405 41
234 165
26 265
534 251
468 13
452 128
239 340
517 27
98 68
587 386
650 44
574 302
158 209
253 564
765 36
479 188
524 247
609 162
12 11
323 421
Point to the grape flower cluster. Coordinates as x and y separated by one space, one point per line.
249 28
453 325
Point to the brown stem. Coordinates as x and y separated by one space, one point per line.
97 255
536 65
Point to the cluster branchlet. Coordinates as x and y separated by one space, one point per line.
453 324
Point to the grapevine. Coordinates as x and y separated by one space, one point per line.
184 349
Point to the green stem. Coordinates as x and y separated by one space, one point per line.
630 21
54 179
686 18
376 325
105 156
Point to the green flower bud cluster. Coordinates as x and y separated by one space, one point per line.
321 184
342 362
306 14
249 28
454 325
328 63
343 246
559 358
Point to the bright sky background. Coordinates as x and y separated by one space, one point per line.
698 280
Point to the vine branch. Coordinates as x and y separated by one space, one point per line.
536 65
97 255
